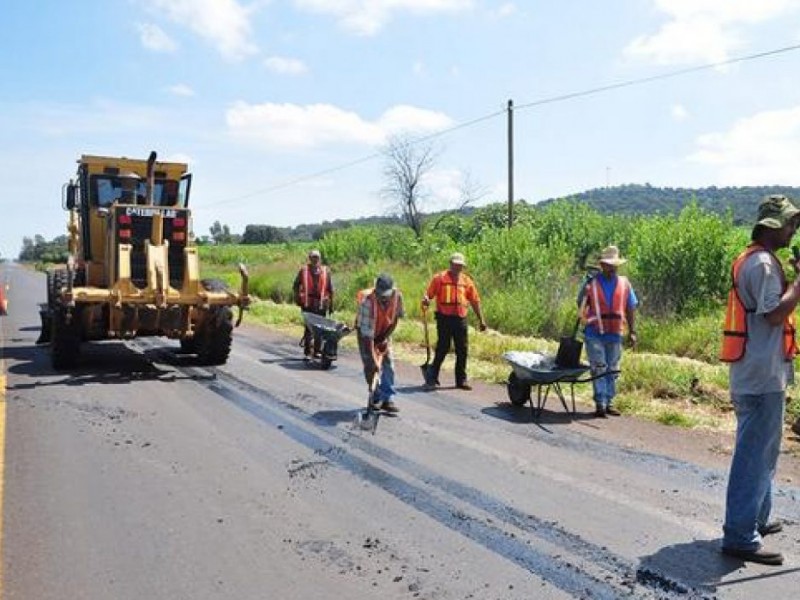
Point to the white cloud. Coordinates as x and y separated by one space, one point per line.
154 38
760 150
295 126
224 23
704 30
368 17
285 66
181 89
679 112
445 187
505 10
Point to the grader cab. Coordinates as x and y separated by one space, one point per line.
132 269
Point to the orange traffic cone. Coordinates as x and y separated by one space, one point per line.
3 301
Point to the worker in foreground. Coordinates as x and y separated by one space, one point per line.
454 292
759 343
379 310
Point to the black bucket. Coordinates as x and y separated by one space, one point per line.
569 353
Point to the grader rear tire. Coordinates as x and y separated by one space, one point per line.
65 339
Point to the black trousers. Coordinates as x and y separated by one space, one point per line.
450 328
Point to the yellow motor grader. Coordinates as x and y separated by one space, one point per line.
133 269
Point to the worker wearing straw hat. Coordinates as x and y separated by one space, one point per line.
608 306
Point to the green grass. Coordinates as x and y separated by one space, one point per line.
653 386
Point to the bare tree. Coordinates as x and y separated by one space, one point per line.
469 192
407 163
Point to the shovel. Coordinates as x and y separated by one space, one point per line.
367 418
424 367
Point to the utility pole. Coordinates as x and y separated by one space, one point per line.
510 163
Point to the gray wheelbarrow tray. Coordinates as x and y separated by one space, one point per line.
544 376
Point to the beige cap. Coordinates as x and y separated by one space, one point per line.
457 258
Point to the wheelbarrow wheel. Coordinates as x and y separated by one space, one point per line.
519 393
328 354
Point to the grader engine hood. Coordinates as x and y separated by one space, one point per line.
138 225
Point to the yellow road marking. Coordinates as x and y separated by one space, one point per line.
2 442
2 459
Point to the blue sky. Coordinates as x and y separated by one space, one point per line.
270 100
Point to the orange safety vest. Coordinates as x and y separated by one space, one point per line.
384 318
734 330
307 285
609 318
451 297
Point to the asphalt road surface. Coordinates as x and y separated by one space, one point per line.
143 475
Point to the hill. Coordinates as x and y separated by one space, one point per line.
648 200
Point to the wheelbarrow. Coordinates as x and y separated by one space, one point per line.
541 370
330 332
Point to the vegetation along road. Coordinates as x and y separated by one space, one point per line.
141 475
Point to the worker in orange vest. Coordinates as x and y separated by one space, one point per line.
608 308
454 292
759 343
313 292
379 310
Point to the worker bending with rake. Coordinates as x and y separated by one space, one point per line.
379 310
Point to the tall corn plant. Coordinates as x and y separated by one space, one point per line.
681 263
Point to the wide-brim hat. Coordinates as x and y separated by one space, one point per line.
610 256
776 211
314 254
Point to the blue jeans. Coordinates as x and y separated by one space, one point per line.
385 390
759 424
603 357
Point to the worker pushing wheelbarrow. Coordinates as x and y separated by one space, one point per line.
379 310
329 332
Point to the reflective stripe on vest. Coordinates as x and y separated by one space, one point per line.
451 298
734 329
307 285
608 318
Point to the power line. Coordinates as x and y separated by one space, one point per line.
532 104
358 161
643 80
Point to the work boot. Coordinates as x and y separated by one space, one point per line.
770 528
600 412
389 406
610 410
464 386
758 555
